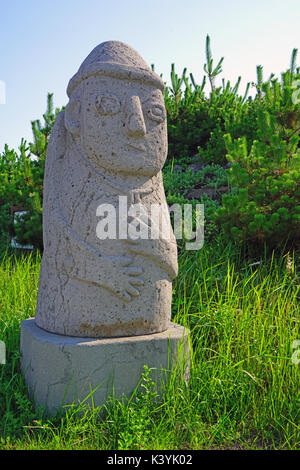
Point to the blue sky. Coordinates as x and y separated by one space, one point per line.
43 42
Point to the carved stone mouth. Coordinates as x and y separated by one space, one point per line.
136 148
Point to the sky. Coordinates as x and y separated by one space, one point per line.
43 43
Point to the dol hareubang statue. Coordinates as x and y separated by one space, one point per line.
110 141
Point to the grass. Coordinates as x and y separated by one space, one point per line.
243 393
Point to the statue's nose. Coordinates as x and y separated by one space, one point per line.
135 124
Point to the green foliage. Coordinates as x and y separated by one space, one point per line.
134 432
265 203
179 183
21 184
196 123
208 67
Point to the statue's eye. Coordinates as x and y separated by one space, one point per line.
107 104
156 112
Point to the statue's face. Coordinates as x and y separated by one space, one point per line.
123 125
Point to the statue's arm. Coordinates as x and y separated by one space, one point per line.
161 248
72 256
162 252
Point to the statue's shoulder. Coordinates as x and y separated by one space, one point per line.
57 141
55 153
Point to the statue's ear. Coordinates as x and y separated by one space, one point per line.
72 117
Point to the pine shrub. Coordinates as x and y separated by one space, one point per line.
264 204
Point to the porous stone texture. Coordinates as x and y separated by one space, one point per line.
61 370
110 141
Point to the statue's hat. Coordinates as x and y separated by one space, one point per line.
115 59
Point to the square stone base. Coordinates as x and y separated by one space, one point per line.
61 370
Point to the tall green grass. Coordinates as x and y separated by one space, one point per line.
243 392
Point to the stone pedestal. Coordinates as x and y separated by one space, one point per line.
61 370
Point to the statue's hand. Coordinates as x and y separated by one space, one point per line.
114 273
119 276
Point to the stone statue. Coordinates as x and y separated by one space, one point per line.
109 144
